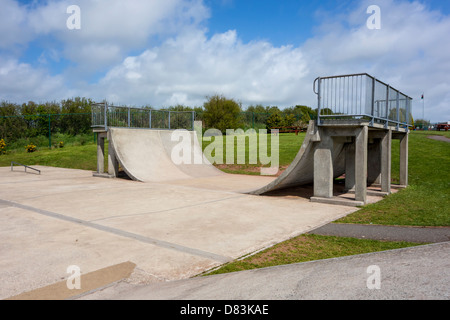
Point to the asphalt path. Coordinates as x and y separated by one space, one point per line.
387 233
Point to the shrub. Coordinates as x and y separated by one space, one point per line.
2 146
274 121
222 113
30 148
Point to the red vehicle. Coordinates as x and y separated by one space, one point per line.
443 126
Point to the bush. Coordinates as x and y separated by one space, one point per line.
222 113
30 148
2 146
275 121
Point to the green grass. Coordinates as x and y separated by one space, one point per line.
289 144
74 157
426 202
309 248
79 152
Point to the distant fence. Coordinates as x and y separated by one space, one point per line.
361 96
104 116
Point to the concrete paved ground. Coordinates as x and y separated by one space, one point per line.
417 273
174 231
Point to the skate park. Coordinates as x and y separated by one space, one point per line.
171 222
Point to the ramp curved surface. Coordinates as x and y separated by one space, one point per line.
301 170
146 155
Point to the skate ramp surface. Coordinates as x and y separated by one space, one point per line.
301 170
146 155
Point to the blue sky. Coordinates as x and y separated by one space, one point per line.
165 52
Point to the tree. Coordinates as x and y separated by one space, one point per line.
222 113
275 121
306 113
12 125
78 116
289 120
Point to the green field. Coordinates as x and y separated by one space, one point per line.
426 202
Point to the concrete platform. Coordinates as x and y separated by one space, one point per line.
170 231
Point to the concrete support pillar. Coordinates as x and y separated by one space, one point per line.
374 161
113 163
323 168
386 147
350 166
361 164
101 152
404 160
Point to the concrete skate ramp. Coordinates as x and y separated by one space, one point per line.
301 170
145 155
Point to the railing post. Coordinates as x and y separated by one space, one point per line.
150 119
193 120
373 100
398 111
318 100
387 106
105 114
169 119
129 117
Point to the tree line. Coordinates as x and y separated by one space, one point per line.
73 116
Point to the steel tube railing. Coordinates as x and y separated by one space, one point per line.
104 116
361 96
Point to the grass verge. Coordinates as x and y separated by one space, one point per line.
309 247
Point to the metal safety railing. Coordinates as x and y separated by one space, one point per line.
22 165
361 96
104 116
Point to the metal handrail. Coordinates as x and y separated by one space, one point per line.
19 164
361 95
104 116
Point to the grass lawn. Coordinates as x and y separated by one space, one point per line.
74 157
309 248
426 202
289 144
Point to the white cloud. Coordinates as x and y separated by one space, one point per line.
19 82
13 25
187 68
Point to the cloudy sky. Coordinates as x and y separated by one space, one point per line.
167 52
